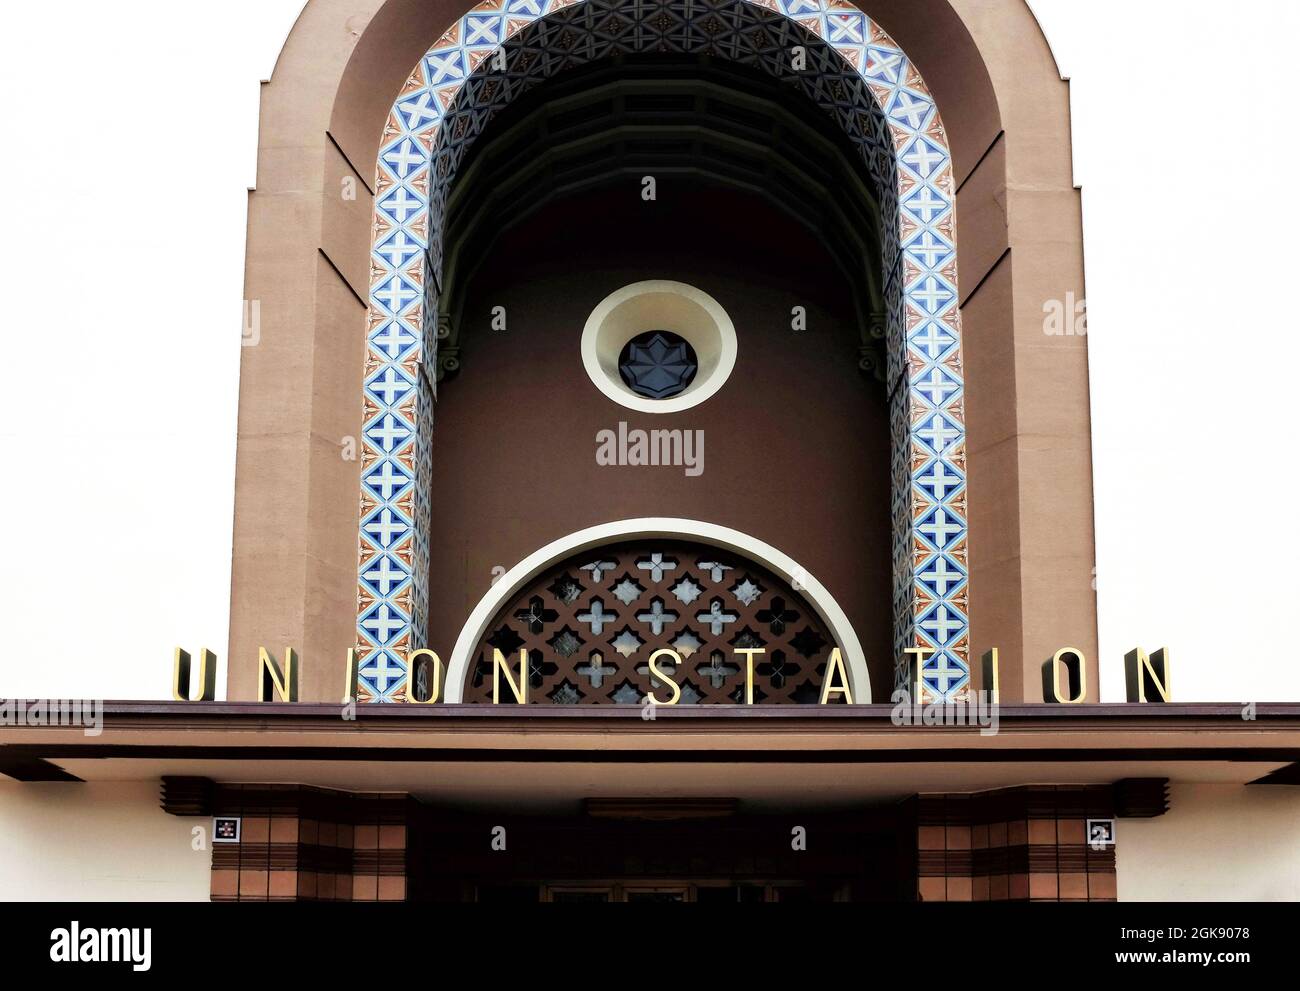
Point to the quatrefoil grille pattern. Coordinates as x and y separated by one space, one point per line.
594 649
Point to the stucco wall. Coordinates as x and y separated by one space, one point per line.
507 485
1216 843
105 841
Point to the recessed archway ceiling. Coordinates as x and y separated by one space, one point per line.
718 123
859 78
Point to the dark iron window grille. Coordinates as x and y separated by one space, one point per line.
591 622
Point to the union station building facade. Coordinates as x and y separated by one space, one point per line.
657 480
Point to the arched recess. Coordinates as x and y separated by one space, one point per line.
727 540
857 75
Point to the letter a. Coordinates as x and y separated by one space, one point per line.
606 448
837 679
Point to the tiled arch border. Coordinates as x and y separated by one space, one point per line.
858 74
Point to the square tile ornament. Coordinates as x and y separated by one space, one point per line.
225 829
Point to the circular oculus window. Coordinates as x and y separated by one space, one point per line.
659 346
658 364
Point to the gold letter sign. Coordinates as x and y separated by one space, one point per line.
1137 668
836 681
1076 670
272 681
207 676
990 664
499 666
425 678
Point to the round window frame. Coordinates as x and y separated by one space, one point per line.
659 304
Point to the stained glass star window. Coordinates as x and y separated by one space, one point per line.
658 364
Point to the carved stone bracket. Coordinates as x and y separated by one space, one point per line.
448 348
871 353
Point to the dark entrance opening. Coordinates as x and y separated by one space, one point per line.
617 852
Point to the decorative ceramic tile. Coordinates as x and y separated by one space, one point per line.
855 73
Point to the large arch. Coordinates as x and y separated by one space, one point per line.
308 261
858 76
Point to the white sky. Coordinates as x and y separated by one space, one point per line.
133 133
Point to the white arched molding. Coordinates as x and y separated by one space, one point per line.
782 565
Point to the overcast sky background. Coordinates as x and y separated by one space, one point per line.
132 142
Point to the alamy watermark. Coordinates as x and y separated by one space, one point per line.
1066 317
978 709
635 448
86 713
108 945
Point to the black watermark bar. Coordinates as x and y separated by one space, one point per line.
400 941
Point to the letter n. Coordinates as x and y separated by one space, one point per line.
271 680
1141 671
517 688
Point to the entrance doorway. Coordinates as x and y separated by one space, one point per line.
662 852
706 891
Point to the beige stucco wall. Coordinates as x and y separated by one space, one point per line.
1216 843
110 841
103 841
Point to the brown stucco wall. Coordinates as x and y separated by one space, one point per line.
796 444
1020 243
